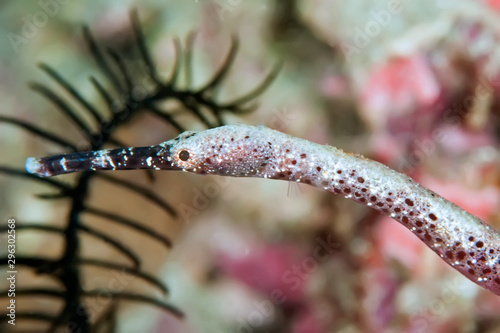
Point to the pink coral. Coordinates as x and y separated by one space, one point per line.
269 269
399 87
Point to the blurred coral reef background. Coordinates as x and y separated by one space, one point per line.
412 84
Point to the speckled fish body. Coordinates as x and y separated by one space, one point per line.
459 238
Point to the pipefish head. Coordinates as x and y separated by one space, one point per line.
232 150
235 150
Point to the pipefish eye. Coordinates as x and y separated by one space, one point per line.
184 155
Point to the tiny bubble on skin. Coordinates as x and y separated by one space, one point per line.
460 239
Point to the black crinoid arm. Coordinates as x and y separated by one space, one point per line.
98 129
